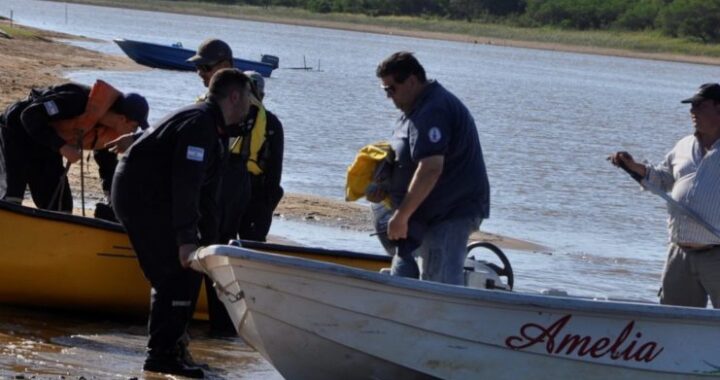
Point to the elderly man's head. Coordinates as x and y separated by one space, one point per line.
705 108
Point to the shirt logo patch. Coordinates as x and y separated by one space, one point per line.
434 134
195 153
51 108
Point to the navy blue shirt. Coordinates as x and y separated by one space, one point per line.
440 124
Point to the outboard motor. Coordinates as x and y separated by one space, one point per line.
271 60
480 274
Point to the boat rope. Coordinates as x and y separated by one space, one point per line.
232 297
223 289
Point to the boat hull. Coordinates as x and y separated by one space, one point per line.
56 260
63 261
314 320
175 58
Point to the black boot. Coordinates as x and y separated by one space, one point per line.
187 358
172 365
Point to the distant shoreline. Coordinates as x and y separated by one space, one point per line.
361 23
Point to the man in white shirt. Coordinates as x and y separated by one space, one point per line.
691 174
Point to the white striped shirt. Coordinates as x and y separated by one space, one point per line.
693 181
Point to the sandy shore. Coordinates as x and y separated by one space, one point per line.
39 60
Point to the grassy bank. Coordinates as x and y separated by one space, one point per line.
638 44
10 31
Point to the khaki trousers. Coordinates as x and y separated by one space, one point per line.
691 276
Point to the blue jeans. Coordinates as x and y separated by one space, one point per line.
441 256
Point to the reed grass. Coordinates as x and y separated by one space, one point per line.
17 32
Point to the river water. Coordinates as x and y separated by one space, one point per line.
547 121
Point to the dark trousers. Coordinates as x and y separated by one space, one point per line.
174 288
27 163
256 221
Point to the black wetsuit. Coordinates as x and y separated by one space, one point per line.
165 194
266 192
29 147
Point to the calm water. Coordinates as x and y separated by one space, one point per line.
547 121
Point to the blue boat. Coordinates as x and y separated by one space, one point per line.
174 57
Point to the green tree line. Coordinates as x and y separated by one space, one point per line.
692 19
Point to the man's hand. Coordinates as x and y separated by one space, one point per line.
624 158
185 254
426 176
120 144
398 226
71 153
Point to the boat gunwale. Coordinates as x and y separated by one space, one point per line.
559 303
61 216
311 250
117 227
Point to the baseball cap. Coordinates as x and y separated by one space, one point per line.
258 80
211 52
705 92
135 107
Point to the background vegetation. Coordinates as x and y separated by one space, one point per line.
697 20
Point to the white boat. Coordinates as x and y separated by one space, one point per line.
319 320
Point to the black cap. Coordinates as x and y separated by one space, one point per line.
211 52
705 92
135 107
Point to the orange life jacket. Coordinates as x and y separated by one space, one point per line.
94 126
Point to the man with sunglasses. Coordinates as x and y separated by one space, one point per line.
439 186
212 56
691 174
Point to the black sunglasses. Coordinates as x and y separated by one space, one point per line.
206 67
390 90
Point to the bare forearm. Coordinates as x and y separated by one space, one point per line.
426 176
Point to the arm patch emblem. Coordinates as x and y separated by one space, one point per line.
195 153
51 108
434 135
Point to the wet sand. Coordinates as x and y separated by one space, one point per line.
35 344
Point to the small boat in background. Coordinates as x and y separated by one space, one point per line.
174 57
322 321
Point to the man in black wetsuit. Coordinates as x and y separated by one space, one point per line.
164 193
33 145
